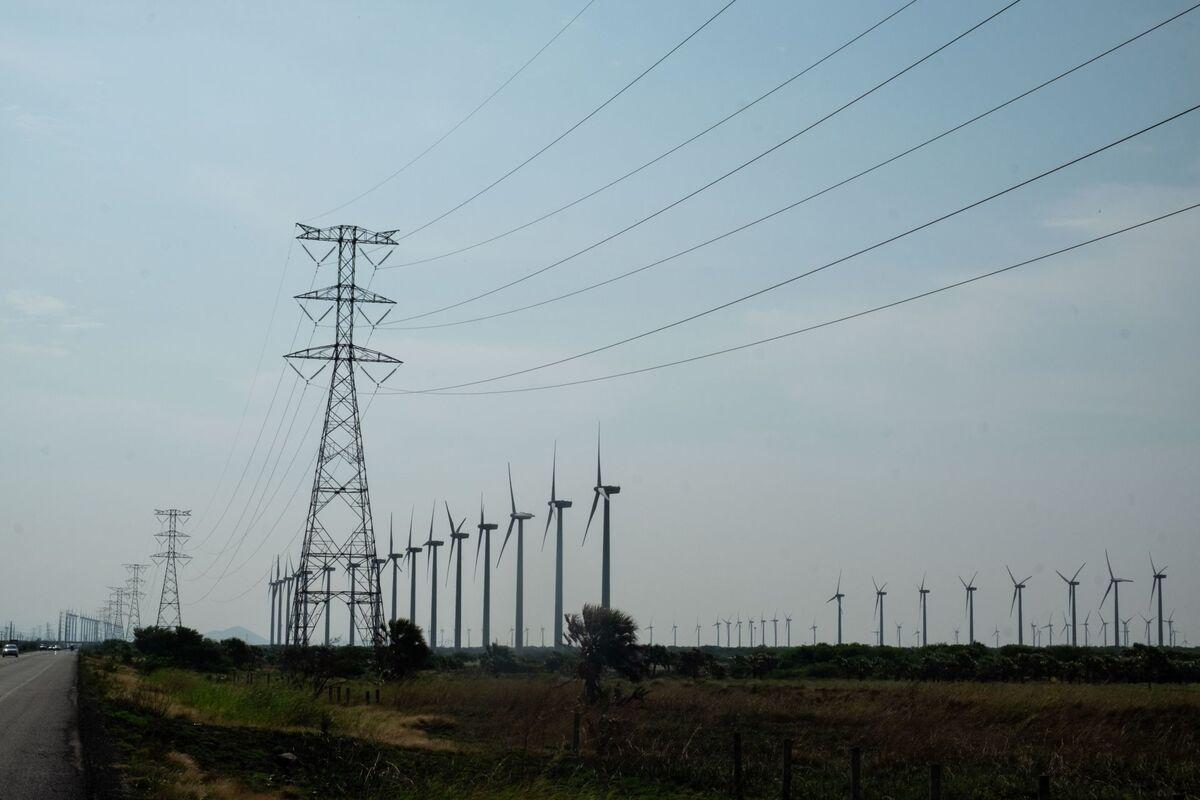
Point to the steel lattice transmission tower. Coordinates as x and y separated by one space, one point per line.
339 531
171 553
133 591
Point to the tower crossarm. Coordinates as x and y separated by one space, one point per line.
352 293
345 233
344 352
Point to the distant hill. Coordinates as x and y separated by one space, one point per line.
236 632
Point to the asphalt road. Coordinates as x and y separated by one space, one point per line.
39 732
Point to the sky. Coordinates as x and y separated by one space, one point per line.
156 159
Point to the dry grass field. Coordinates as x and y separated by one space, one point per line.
479 736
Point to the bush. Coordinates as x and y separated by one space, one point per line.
405 651
181 647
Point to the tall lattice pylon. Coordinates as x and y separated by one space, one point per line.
134 594
339 531
170 540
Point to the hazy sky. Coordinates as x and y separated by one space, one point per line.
155 158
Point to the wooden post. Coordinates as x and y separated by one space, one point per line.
737 765
1043 790
575 732
367 696
855 773
935 782
376 695
785 788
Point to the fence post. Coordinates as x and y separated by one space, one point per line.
575 732
855 773
785 789
376 695
935 782
1043 790
737 765
367 696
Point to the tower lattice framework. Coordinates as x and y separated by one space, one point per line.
133 591
339 533
170 540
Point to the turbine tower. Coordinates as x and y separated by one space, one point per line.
339 527
432 545
923 595
1018 601
410 553
813 628
1114 586
787 622
395 558
1072 582
879 595
456 542
970 606
517 518
1160 576
170 554
606 492
837 595
556 509
485 542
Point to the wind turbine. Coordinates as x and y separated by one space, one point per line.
996 633
1160 576
923 597
457 535
410 553
899 643
751 621
433 545
1104 629
728 632
650 628
517 518
1171 628
485 541
813 627
787 621
556 509
272 592
775 629
1086 620
393 557
328 569
1125 625
1072 582
674 634
717 625
698 632
739 627
762 629
1049 626
1114 586
837 595
1018 601
1147 621
605 491
970 607
879 595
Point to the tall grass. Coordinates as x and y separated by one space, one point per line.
258 705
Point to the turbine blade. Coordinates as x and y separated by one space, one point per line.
450 519
511 496
554 473
549 517
1109 563
1081 566
1064 577
1013 604
599 480
1106 591
478 547
592 513
1010 575
504 544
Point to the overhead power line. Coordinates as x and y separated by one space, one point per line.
449 131
790 206
828 265
569 130
715 181
664 154
828 323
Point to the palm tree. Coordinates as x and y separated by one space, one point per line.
607 639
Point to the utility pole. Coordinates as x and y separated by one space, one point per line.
339 528
170 554
133 590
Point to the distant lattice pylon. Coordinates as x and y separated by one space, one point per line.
170 540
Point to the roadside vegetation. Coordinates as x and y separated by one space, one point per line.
199 719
